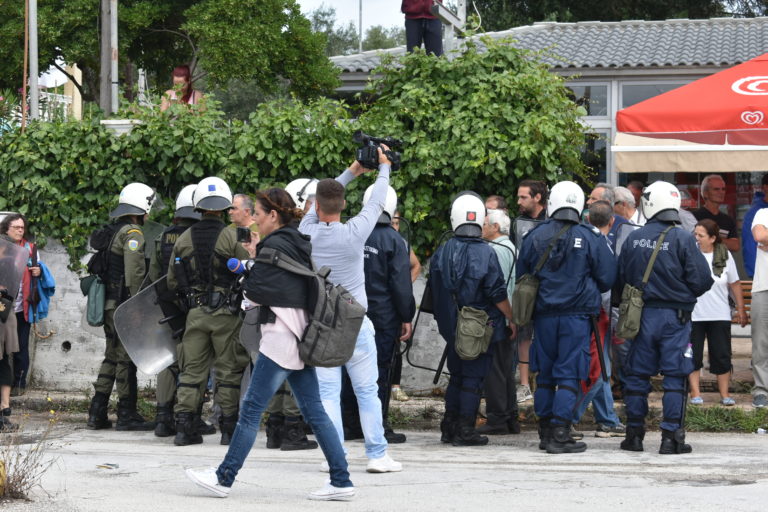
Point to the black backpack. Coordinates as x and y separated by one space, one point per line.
334 322
101 241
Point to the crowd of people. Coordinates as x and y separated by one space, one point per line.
547 294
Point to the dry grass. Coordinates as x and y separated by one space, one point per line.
23 456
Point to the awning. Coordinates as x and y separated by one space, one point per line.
715 124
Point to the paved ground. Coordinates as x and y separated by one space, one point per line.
725 472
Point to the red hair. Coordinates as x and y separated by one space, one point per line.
185 73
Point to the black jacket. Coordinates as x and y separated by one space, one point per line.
269 285
388 278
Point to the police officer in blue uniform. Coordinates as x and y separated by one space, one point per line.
579 268
465 272
680 274
391 305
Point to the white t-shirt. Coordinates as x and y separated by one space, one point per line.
760 281
713 305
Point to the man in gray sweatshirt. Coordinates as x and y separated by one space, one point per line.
339 246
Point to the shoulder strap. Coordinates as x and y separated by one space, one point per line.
285 262
656 250
545 256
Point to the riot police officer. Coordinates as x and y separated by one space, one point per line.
465 273
183 217
126 268
578 268
198 271
679 275
391 305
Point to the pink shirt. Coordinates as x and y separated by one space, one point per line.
279 341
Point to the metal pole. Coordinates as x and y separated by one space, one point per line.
104 87
34 90
360 29
24 71
113 54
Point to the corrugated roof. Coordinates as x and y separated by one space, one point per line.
622 44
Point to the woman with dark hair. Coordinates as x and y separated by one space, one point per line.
182 91
14 226
712 314
283 298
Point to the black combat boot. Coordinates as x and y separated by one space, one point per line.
97 412
545 433
203 427
164 424
514 424
275 425
562 442
674 442
294 437
448 427
634 439
129 419
227 426
186 430
466 435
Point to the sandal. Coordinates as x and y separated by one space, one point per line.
697 400
727 401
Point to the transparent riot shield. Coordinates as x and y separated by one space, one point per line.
13 260
521 227
143 324
622 234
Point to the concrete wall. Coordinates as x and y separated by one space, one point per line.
69 359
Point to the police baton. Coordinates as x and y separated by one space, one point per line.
599 344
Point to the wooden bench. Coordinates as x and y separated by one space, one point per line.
746 292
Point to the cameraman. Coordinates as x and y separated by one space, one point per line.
339 247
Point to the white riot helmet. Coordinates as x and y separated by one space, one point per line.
185 207
661 200
212 194
135 199
301 191
390 203
565 201
467 214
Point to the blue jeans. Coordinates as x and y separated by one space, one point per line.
267 377
600 395
363 371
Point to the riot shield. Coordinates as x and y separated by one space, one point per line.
145 329
621 235
521 228
13 260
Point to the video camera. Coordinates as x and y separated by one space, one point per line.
367 153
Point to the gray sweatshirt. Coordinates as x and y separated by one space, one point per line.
339 246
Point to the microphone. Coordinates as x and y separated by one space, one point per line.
237 266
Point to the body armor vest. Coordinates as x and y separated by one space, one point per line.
210 268
167 241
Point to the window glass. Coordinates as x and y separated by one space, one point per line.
593 154
631 94
594 98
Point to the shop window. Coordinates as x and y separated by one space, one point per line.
594 98
635 93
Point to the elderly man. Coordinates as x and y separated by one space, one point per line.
713 193
605 192
625 206
242 211
500 388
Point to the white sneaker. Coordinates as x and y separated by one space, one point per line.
324 467
331 493
383 464
207 479
524 394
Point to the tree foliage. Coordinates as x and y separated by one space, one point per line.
267 41
482 121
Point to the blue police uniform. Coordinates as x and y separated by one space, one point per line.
465 272
580 267
680 274
390 293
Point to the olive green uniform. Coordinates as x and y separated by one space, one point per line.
117 367
166 379
210 333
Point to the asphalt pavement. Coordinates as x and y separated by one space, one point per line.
132 472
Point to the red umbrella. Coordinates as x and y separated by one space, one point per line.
718 123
